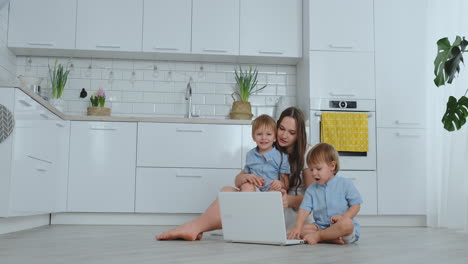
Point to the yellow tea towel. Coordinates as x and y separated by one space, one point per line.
345 131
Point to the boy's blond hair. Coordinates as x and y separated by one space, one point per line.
323 152
263 121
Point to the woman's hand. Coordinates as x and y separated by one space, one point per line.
254 179
294 233
275 185
335 219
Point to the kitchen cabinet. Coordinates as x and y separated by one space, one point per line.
46 24
400 71
167 26
215 27
114 25
29 160
340 25
401 171
189 145
179 190
366 183
351 77
102 167
247 142
61 147
271 28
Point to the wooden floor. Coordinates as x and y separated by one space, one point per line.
70 244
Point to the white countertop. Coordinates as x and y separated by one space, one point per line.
47 105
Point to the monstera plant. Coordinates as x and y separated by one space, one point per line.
446 68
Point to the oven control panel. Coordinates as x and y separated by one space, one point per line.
343 104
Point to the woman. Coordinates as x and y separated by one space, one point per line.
291 139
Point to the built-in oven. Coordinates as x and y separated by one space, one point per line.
365 161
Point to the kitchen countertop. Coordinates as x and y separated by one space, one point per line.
63 116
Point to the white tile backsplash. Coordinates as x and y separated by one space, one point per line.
157 88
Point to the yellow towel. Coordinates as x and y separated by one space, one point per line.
345 131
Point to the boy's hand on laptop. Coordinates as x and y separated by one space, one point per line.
294 233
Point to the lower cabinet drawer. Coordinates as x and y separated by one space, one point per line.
366 183
177 190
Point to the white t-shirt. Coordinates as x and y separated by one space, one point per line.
290 214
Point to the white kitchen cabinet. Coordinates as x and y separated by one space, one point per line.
341 25
271 28
42 24
366 183
61 144
102 167
189 145
400 71
401 171
179 190
247 142
114 25
167 26
215 27
341 75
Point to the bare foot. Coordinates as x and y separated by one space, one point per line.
312 238
187 231
338 241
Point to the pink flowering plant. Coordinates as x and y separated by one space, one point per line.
98 98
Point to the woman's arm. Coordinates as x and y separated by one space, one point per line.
243 177
294 201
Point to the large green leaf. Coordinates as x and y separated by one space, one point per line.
456 113
447 62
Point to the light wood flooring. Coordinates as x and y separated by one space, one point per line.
70 244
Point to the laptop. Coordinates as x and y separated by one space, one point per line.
254 217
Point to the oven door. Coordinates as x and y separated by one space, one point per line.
348 160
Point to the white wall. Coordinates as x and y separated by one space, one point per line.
7 58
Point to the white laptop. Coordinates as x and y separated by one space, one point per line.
254 217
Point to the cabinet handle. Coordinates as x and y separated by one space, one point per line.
215 50
44 116
189 130
49 44
398 134
270 52
41 170
188 176
59 125
353 179
398 122
108 46
32 157
102 128
341 46
342 94
156 48
23 102
320 114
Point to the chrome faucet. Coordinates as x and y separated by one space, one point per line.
188 96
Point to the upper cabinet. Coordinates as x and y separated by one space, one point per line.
215 27
271 28
167 26
341 25
42 24
109 25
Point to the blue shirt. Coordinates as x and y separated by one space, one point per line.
268 166
332 198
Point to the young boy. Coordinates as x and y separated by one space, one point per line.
265 160
333 199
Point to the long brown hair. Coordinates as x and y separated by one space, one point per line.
296 157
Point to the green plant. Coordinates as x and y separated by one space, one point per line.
446 66
58 79
246 83
98 98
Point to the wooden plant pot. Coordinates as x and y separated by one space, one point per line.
99 111
241 110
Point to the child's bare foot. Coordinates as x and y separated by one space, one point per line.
312 238
187 231
338 241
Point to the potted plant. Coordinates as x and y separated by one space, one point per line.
446 66
98 99
246 82
58 79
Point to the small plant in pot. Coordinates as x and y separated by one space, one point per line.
58 79
98 99
246 83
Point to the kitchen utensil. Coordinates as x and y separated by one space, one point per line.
31 82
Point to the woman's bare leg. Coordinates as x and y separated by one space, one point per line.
247 187
193 230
